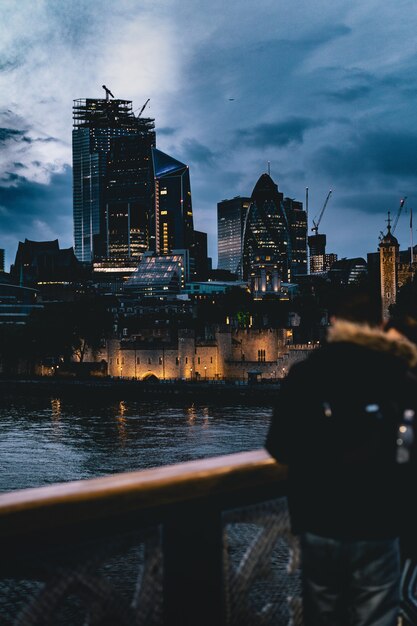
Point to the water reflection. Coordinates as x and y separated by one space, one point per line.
56 408
206 417
121 422
47 440
191 415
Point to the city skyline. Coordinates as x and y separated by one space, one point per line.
307 91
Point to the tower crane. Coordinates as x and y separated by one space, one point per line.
400 208
315 227
108 92
143 108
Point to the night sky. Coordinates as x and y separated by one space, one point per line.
324 91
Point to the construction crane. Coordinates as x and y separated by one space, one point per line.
315 228
143 108
108 92
400 208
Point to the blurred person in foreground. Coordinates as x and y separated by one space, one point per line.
404 328
335 424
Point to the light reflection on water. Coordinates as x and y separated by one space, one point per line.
46 440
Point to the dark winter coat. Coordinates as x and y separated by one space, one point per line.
335 424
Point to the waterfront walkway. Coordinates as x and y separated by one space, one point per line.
211 390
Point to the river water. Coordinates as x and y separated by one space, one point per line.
54 439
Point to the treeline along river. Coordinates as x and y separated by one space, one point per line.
49 437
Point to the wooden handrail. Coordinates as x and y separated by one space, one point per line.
64 503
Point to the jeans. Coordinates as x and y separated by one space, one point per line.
350 582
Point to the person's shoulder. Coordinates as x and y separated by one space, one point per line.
309 363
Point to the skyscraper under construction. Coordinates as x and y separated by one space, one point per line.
113 189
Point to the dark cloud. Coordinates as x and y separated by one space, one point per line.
372 153
374 203
78 21
11 133
167 131
15 134
35 211
279 134
7 65
10 178
350 94
196 153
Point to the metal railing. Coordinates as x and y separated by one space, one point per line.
205 542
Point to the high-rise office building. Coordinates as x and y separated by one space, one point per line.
231 216
267 236
201 258
1 259
111 178
172 226
297 221
129 197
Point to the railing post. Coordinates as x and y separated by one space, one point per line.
193 567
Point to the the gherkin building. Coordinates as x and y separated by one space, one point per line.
267 236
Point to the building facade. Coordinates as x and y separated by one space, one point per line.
232 354
274 233
173 225
98 124
231 216
297 220
388 264
129 197
348 271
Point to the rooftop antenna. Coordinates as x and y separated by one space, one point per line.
108 92
269 168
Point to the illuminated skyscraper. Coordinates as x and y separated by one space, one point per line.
129 196
111 178
297 221
230 221
172 226
267 235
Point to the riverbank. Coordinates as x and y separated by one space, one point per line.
120 389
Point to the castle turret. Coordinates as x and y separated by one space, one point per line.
388 263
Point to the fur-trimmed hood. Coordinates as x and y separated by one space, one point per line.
373 338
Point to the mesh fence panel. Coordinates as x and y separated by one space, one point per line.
116 582
119 582
261 566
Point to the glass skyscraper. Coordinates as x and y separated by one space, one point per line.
230 221
297 220
111 178
173 226
267 236
263 231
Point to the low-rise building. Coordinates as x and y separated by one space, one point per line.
231 354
